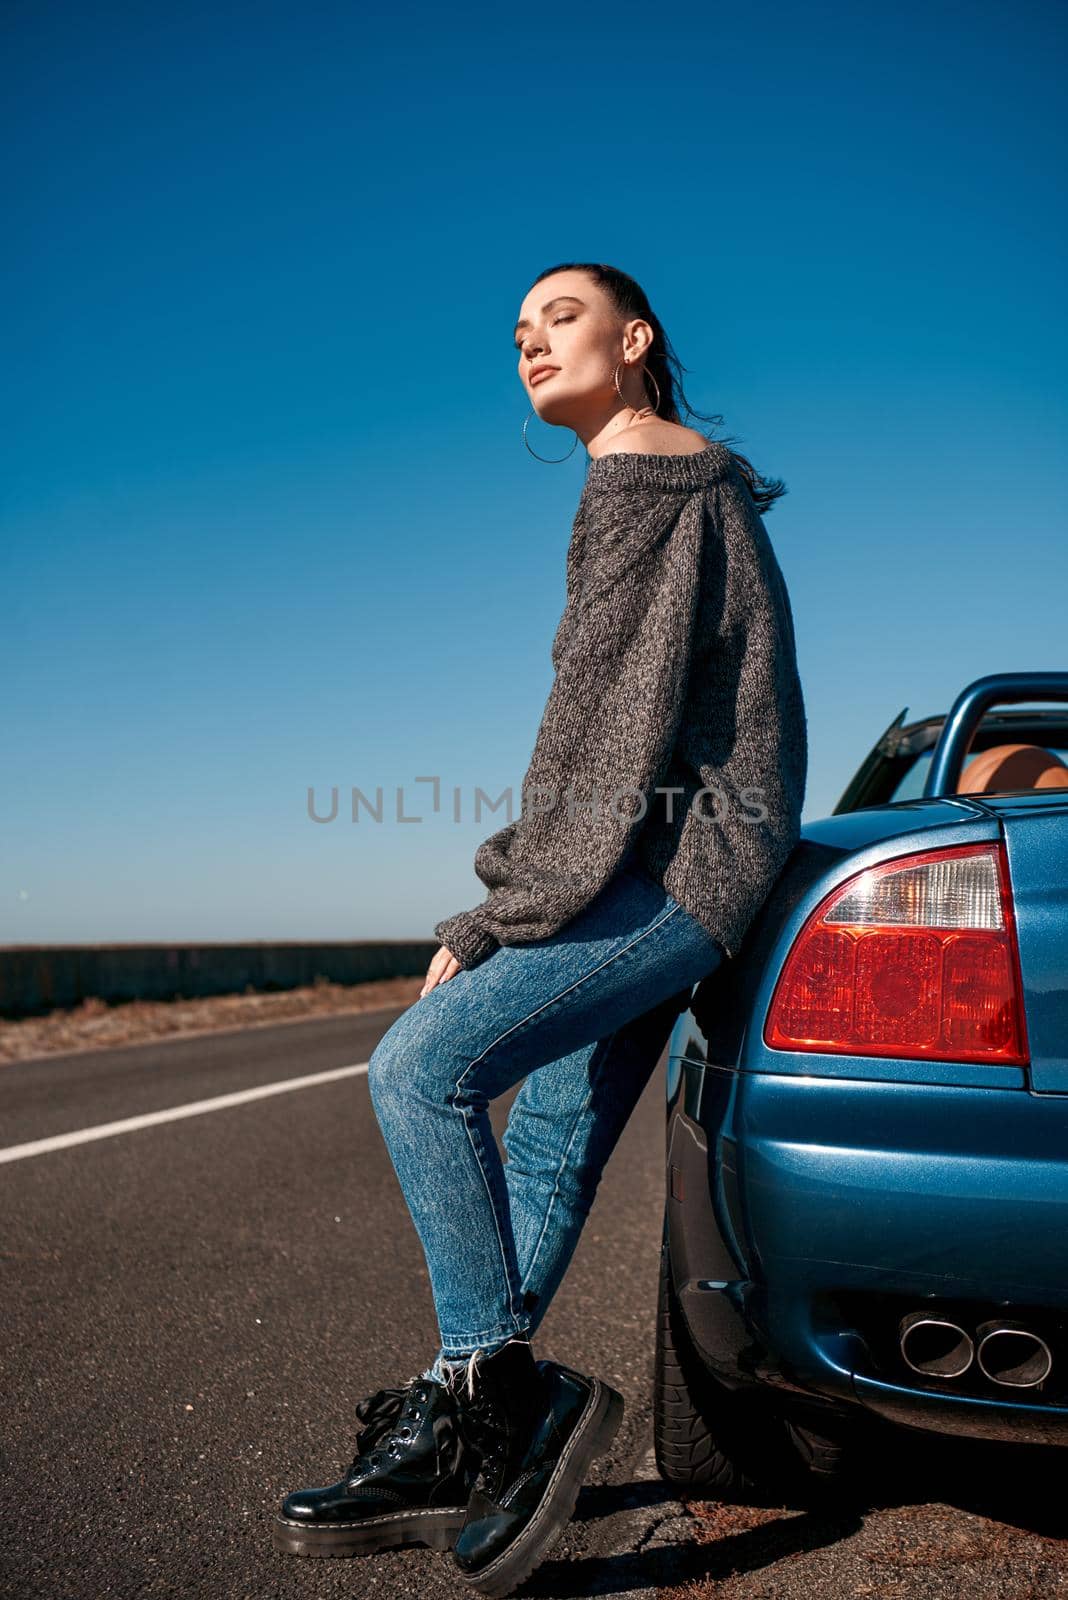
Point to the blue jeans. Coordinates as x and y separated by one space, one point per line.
583 1016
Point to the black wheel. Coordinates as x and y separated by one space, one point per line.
707 1436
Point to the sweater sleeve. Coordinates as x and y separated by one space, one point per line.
622 655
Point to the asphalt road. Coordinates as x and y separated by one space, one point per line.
192 1310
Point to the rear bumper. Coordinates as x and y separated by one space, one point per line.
808 1215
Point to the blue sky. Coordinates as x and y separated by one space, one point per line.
268 521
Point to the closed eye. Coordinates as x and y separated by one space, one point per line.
568 316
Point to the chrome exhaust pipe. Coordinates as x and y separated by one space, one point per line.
1009 1353
934 1347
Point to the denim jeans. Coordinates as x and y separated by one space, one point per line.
582 1016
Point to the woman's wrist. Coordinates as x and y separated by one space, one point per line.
468 942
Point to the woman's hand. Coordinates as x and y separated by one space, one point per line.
443 967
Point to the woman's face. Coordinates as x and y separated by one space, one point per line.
568 325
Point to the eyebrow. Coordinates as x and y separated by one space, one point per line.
524 322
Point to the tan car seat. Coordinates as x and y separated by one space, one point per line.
1005 767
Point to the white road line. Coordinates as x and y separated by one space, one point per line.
195 1108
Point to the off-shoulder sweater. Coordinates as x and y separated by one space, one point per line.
674 734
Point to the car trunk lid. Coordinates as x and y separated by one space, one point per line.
1035 827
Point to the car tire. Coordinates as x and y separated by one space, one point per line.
732 1441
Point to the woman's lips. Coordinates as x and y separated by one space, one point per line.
546 372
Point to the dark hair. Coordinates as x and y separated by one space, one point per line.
630 300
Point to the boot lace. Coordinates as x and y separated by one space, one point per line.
381 1415
485 1435
390 1418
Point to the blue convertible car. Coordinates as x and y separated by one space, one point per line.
867 1153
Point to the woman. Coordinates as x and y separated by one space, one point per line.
662 799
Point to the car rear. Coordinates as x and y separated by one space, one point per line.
868 1124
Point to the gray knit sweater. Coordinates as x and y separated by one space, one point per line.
676 672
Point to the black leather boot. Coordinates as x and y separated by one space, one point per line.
536 1427
408 1484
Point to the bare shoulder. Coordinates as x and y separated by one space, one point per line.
659 438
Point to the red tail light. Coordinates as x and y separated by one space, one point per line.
914 957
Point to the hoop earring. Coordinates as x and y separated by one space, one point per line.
645 374
531 448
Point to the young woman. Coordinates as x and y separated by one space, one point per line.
662 799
